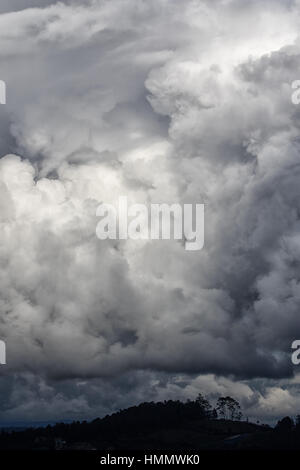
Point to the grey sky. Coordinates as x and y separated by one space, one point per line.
162 101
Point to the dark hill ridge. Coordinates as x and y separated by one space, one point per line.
169 426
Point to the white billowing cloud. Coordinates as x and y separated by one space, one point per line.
162 102
59 298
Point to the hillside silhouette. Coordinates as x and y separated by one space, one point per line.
169 425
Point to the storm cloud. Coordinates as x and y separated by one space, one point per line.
160 101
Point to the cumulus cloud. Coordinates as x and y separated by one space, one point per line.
161 102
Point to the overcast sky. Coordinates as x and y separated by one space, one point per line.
161 101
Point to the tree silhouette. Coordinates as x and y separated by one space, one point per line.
229 408
285 424
204 404
142 425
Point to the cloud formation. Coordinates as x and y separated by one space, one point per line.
162 102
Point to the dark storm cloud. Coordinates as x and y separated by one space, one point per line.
162 102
